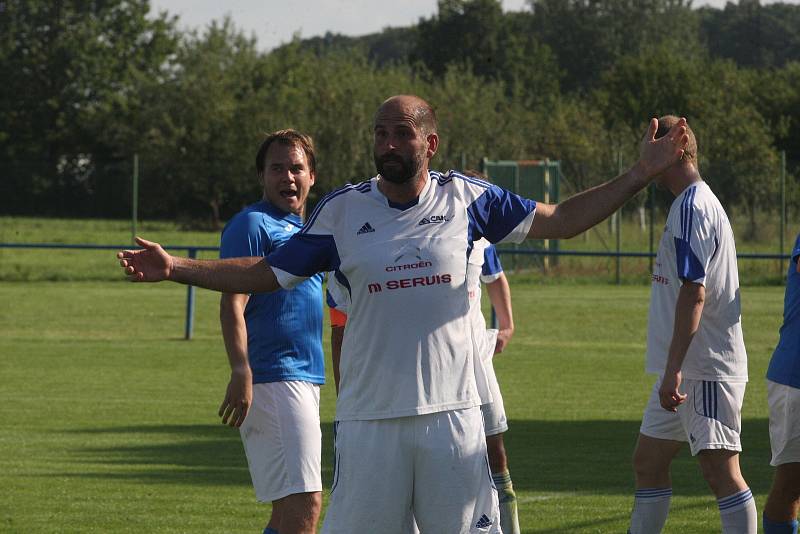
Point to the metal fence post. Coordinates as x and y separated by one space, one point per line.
135 207
783 203
618 219
190 303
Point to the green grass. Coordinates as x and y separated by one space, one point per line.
109 418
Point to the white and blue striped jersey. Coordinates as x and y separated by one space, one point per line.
698 246
405 351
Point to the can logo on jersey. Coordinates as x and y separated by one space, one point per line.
435 219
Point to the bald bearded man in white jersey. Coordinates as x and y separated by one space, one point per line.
696 350
409 433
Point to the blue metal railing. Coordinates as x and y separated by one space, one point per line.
193 250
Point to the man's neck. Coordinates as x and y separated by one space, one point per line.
405 192
301 214
686 178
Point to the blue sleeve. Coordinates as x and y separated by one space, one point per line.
491 262
496 213
330 300
796 250
305 255
245 235
695 241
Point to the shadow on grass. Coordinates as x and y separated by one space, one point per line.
178 454
595 457
544 456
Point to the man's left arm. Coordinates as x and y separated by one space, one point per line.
584 210
500 297
688 310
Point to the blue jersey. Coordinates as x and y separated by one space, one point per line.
284 328
784 368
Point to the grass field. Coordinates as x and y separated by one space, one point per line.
109 417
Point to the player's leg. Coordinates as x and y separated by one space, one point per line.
283 444
712 416
780 512
737 507
495 425
453 490
661 436
299 513
651 462
373 478
274 519
498 464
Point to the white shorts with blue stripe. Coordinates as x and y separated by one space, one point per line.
710 418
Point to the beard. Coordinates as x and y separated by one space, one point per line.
401 173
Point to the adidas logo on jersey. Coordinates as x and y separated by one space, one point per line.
367 228
435 219
484 522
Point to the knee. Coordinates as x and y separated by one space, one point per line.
718 477
646 465
786 491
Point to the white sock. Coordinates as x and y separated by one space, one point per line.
509 521
650 509
738 513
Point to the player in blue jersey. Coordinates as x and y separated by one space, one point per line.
274 345
409 436
783 387
695 348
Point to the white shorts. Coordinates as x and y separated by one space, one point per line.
709 418
282 439
784 423
432 468
494 413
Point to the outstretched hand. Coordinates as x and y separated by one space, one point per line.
655 155
150 264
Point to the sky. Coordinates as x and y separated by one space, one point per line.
274 22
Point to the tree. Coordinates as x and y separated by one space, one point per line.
69 69
587 36
203 122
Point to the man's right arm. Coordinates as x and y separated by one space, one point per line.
239 393
232 275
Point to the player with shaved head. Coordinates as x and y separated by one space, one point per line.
409 433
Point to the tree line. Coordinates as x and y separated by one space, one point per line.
88 84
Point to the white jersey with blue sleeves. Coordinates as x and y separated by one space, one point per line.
698 246
404 267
